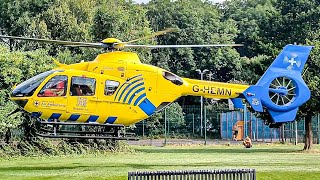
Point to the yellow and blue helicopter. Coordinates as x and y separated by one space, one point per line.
116 89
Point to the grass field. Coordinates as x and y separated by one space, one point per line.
270 161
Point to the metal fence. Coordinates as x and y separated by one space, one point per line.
193 127
218 125
257 130
229 174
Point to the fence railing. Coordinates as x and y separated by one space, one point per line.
228 174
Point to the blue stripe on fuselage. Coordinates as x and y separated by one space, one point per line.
133 88
111 119
126 82
135 93
74 117
92 118
128 87
147 107
139 98
54 116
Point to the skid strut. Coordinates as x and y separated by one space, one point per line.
74 130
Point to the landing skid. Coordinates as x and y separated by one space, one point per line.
71 130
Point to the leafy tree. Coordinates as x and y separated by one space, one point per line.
59 19
16 15
123 20
154 125
175 115
312 107
257 21
16 67
65 20
200 22
251 69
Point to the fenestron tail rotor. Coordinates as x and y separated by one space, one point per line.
116 44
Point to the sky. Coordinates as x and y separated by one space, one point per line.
145 1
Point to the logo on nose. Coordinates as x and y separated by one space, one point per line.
36 103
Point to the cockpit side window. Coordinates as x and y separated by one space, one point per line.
55 87
82 86
111 87
28 87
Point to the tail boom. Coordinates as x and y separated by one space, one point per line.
211 89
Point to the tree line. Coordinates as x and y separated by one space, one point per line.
263 26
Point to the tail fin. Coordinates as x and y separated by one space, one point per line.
281 89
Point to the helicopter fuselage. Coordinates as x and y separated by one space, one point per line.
115 88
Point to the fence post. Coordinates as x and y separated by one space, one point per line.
257 130
143 128
245 121
263 128
201 118
205 125
168 121
227 127
192 124
221 125
165 127
251 125
232 117
296 132
290 132
318 123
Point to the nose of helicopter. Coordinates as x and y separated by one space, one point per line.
18 98
20 101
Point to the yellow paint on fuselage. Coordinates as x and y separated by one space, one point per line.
211 89
121 67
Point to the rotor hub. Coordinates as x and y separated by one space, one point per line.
110 41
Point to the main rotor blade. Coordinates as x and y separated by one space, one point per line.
67 43
158 33
181 46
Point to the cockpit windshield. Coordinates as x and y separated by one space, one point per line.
28 87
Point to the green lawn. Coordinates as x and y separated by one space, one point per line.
270 162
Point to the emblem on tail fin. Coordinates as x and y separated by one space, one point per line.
281 89
291 61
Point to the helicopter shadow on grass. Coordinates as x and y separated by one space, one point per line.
150 166
34 168
84 168
218 150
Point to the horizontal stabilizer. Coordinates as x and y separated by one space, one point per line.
253 96
237 102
